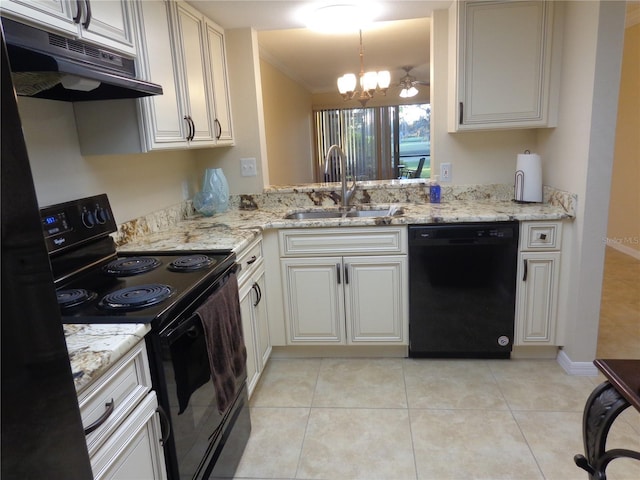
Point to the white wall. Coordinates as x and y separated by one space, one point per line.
136 184
578 156
288 127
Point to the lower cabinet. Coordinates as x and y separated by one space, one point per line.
360 298
253 310
119 414
538 283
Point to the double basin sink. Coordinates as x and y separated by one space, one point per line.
353 212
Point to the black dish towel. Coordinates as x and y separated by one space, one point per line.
222 325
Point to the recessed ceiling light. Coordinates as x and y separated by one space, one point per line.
341 18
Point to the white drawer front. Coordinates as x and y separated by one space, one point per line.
343 241
541 236
125 384
249 259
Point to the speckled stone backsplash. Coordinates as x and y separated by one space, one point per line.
328 195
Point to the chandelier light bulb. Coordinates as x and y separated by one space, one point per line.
369 81
384 80
347 83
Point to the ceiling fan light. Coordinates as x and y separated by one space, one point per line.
384 79
408 92
347 83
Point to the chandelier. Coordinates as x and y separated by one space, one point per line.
370 82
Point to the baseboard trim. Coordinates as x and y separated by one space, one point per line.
619 246
584 369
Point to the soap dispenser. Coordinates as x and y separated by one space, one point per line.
434 190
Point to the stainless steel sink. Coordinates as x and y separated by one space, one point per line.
355 213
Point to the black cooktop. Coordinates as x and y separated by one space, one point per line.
101 295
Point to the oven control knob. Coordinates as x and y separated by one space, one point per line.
88 219
101 215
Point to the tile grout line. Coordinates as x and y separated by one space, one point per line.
306 427
406 397
511 411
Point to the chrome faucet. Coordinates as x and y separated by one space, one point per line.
347 194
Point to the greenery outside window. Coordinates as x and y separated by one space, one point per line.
379 142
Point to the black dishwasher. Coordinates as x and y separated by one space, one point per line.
462 289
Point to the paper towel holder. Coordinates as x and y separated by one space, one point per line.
528 179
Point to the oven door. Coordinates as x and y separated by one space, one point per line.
198 428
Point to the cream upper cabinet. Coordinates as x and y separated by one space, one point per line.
345 286
504 64
104 23
538 283
183 51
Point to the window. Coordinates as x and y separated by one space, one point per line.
379 142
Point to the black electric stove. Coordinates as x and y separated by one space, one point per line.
95 284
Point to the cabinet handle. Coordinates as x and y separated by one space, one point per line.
109 407
252 260
87 20
219 128
524 275
461 113
164 420
258 291
346 273
78 16
191 127
338 272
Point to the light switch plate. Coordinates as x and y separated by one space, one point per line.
248 167
445 172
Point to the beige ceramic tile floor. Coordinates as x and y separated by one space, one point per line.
395 419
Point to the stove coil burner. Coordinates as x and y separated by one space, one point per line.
191 263
129 266
74 297
136 298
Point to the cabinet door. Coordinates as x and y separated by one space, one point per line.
192 67
246 312
219 85
504 62
261 324
134 450
375 291
538 275
163 124
110 24
53 14
314 299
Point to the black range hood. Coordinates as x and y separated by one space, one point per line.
47 65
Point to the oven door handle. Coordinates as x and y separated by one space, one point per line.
165 425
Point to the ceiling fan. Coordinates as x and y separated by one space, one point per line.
408 83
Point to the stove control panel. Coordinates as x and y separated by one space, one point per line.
73 223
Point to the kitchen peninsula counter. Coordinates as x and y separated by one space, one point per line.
93 348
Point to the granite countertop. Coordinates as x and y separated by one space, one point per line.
94 348
234 230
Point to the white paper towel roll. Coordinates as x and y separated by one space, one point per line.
528 178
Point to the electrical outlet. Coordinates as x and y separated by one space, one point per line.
248 167
185 190
445 172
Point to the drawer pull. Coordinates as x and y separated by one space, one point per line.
164 420
109 407
252 260
543 236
